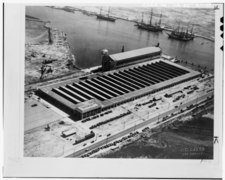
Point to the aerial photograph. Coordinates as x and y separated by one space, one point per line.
119 81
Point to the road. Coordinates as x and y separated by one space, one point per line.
143 124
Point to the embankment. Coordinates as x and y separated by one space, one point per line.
47 52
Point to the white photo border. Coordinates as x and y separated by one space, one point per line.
15 165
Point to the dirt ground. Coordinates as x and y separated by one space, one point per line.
47 52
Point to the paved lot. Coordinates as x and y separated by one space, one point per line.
42 143
133 128
36 114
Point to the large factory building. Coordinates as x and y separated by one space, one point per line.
126 76
110 62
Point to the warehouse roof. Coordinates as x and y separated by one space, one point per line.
134 53
94 103
88 105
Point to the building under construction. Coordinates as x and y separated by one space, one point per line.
125 77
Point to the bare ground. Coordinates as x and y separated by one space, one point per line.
47 52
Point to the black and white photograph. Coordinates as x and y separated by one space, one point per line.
106 82
119 82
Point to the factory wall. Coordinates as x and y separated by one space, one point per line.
109 64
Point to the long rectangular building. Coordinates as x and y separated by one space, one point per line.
114 61
101 91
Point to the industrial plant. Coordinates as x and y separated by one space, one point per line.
131 90
120 82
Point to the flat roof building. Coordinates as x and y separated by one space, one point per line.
101 91
88 108
113 61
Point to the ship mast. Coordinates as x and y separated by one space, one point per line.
192 30
151 18
160 19
178 28
187 31
108 11
142 16
100 11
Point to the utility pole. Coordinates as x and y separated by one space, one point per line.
135 127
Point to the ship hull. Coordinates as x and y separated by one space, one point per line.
107 18
149 28
180 38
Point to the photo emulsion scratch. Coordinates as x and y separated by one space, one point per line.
119 82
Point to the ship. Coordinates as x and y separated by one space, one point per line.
105 17
150 27
182 35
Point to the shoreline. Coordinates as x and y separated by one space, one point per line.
89 13
134 130
147 133
49 51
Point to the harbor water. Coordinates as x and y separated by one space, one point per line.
87 36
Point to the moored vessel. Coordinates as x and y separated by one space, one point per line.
105 17
182 35
150 27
